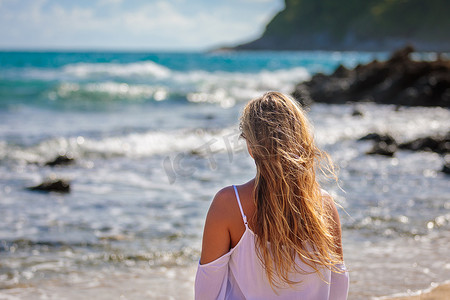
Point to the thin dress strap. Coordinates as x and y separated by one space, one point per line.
244 217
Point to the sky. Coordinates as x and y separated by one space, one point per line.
132 24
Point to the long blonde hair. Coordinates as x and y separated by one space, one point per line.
290 214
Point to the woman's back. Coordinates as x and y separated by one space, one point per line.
240 274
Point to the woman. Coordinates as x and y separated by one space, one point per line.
278 235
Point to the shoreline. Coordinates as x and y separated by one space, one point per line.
103 288
439 291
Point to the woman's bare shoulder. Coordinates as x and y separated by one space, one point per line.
216 235
226 197
222 198
222 205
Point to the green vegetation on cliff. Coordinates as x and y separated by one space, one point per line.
349 22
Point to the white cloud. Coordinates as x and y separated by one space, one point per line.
109 2
122 24
154 17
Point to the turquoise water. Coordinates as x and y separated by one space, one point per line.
154 136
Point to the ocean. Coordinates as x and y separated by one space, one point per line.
155 135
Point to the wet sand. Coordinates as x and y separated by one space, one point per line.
441 292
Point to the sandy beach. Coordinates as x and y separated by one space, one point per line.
440 292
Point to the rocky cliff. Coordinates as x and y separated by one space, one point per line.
374 25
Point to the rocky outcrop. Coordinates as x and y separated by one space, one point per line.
438 144
378 138
52 185
386 145
60 160
446 169
399 80
383 148
383 144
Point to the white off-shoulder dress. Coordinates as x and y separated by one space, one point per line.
240 275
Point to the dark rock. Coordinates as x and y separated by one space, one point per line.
402 53
383 148
376 137
196 152
357 113
446 169
399 80
438 144
384 144
370 137
341 72
66 159
52 185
